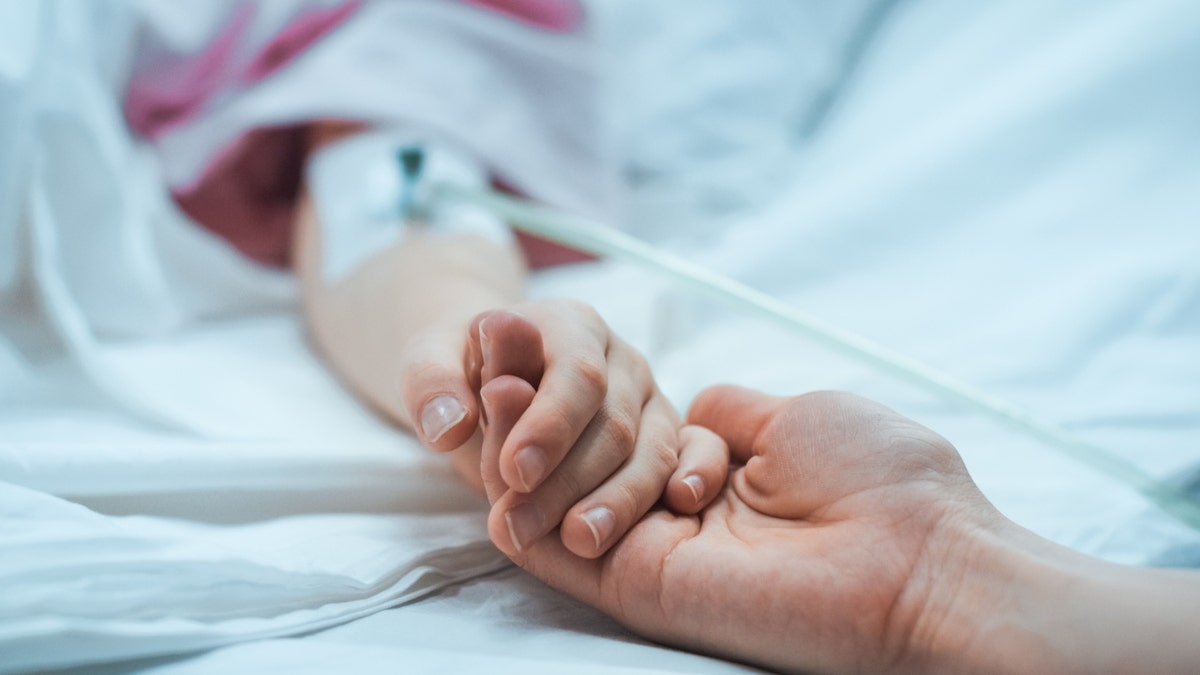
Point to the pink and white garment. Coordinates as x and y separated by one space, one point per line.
126 124
223 92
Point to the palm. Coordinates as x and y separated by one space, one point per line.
820 531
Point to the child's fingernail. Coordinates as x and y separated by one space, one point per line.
525 523
531 465
696 484
601 521
440 415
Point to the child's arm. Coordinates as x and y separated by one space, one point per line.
398 330
393 328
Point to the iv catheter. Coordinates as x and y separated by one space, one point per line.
604 242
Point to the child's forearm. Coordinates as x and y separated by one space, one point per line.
407 305
418 294
416 297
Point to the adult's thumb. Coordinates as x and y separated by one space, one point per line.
736 414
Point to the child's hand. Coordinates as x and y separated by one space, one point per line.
597 444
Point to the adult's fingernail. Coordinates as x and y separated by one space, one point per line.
440 415
696 484
525 523
601 521
531 466
485 405
484 346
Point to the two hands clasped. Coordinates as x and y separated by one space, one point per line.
817 533
596 445
561 423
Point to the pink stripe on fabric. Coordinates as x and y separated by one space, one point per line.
172 98
152 108
562 16
297 36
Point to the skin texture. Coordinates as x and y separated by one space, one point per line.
408 331
631 412
784 549
851 539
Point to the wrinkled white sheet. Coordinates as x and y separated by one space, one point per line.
1007 192
292 510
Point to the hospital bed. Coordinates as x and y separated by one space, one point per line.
1009 193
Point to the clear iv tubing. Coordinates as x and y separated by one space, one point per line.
606 242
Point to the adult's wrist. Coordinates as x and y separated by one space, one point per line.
1000 599
983 585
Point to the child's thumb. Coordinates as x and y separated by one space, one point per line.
437 396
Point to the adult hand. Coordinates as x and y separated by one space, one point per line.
819 555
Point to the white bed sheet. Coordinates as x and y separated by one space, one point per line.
1006 192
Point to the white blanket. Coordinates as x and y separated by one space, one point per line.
1007 192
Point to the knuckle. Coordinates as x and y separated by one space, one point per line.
665 455
582 309
641 367
568 309
587 317
592 374
620 429
642 374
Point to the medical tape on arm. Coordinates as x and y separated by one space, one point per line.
363 197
